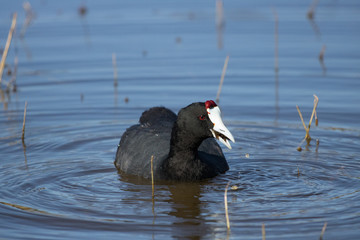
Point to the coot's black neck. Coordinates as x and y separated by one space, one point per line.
182 140
183 162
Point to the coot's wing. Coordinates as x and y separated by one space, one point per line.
141 141
210 153
136 147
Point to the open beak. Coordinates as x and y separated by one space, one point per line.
219 131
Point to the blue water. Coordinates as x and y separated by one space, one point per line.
62 183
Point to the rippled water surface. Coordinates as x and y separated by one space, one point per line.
61 183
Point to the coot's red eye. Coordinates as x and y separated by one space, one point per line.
202 117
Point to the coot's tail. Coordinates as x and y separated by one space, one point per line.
157 115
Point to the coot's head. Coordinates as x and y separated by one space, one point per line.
203 120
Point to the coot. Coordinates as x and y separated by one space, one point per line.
183 146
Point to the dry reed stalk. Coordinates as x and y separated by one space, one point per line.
82 10
222 78
322 53
219 16
311 12
316 101
276 36
226 207
321 58
323 231
301 117
7 45
115 70
23 127
30 15
219 22
152 175
307 128
12 82
263 233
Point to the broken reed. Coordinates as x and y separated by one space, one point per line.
222 79
307 128
23 127
7 45
226 207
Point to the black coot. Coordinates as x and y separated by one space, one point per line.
183 146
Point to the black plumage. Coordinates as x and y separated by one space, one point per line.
182 145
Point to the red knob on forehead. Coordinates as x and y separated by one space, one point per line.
210 104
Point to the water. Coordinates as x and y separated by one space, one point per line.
62 183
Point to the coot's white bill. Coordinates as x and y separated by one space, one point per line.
219 131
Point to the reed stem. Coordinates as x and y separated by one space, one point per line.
316 101
307 128
301 117
152 175
222 79
23 127
323 231
311 11
115 70
263 233
7 45
226 207
276 36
